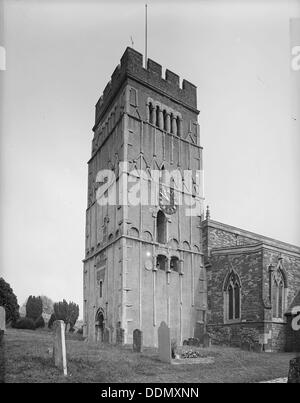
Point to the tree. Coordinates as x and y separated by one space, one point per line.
9 301
47 304
34 307
73 314
68 312
61 311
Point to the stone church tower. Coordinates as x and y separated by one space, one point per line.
144 261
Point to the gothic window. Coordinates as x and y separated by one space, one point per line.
174 264
278 294
161 227
232 297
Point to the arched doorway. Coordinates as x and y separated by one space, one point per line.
99 325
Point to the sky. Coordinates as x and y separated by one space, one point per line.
59 57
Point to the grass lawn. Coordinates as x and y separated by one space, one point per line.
27 359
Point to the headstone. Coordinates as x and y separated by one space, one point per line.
164 343
199 331
106 335
137 341
185 342
206 340
2 318
294 371
257 347
2 361
120 335
59 346
245 345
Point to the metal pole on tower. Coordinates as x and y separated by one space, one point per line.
146 34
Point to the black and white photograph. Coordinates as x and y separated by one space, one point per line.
149 194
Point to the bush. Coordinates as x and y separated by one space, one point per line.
39 323
24 323
68 312
34 307
9 301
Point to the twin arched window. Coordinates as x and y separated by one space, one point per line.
162 262
232 297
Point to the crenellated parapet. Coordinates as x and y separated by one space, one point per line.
131 66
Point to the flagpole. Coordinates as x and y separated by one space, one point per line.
146 34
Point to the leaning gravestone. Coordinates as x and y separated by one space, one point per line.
59 346
137 341
2 318
164 343
294 371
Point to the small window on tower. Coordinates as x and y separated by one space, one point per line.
100 288
133 97
161 227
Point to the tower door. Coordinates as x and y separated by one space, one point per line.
99 326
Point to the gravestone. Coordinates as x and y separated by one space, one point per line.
257 347
164 343
59 346
246 346
137 344
2 318
206 340
294 370
119 335
199 331
106 335
2 361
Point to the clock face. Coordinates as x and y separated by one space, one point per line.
167 201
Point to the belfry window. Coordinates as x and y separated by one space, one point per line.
174 264
161 227
151 113
161 262
165 120
157 116
232 297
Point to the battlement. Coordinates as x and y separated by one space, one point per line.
132 66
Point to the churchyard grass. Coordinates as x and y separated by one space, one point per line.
28 358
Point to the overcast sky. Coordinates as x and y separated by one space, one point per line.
60 55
